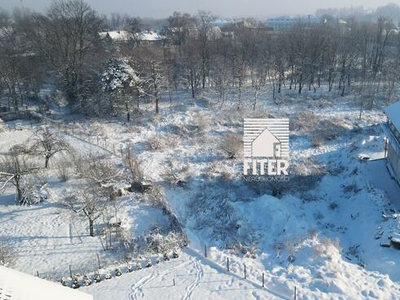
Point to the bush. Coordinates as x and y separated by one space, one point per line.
8 255
155 143
63 169
176 174
317 140
305 175
325 244
33 192
333 205
232 145
202 123
157 241
2 126
319 128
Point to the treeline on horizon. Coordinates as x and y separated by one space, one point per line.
61 48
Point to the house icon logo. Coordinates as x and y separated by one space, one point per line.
266 146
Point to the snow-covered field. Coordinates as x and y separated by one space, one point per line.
321 235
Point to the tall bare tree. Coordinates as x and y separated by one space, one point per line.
150 61
68 38
204 25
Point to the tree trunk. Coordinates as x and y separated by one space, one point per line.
18 188
192 82
91 228
46 162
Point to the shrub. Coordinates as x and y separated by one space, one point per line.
2 126
155 143
333 205
232 145
317 140
322 248
176 174
202 123
8 255
63 169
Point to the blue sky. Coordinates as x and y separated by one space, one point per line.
224 8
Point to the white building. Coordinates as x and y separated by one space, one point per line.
16 285
285 23
392 131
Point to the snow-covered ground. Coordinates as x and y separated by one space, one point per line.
320 236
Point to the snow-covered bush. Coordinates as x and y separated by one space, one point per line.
157 241
232 145
305 175
176 174
8 255
211 210
63 169
320 128
202 123
317 140
326 245
157 198
33 192
304 121
2 125
118 74
161 142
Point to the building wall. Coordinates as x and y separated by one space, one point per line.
394 161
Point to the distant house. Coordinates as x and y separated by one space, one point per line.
21 286
147 37
392 147
120 35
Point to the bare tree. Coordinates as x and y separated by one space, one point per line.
133 166
13 54
204 20
178 28
152 72
134 26
67 37
13 168
88 200
192 67
99 171
47 143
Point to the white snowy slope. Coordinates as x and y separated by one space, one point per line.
190 276
16 285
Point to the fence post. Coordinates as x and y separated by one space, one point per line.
205 250
70 271
227 264
245 274
98 260
263 279
295 293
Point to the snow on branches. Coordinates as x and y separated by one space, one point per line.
119 74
